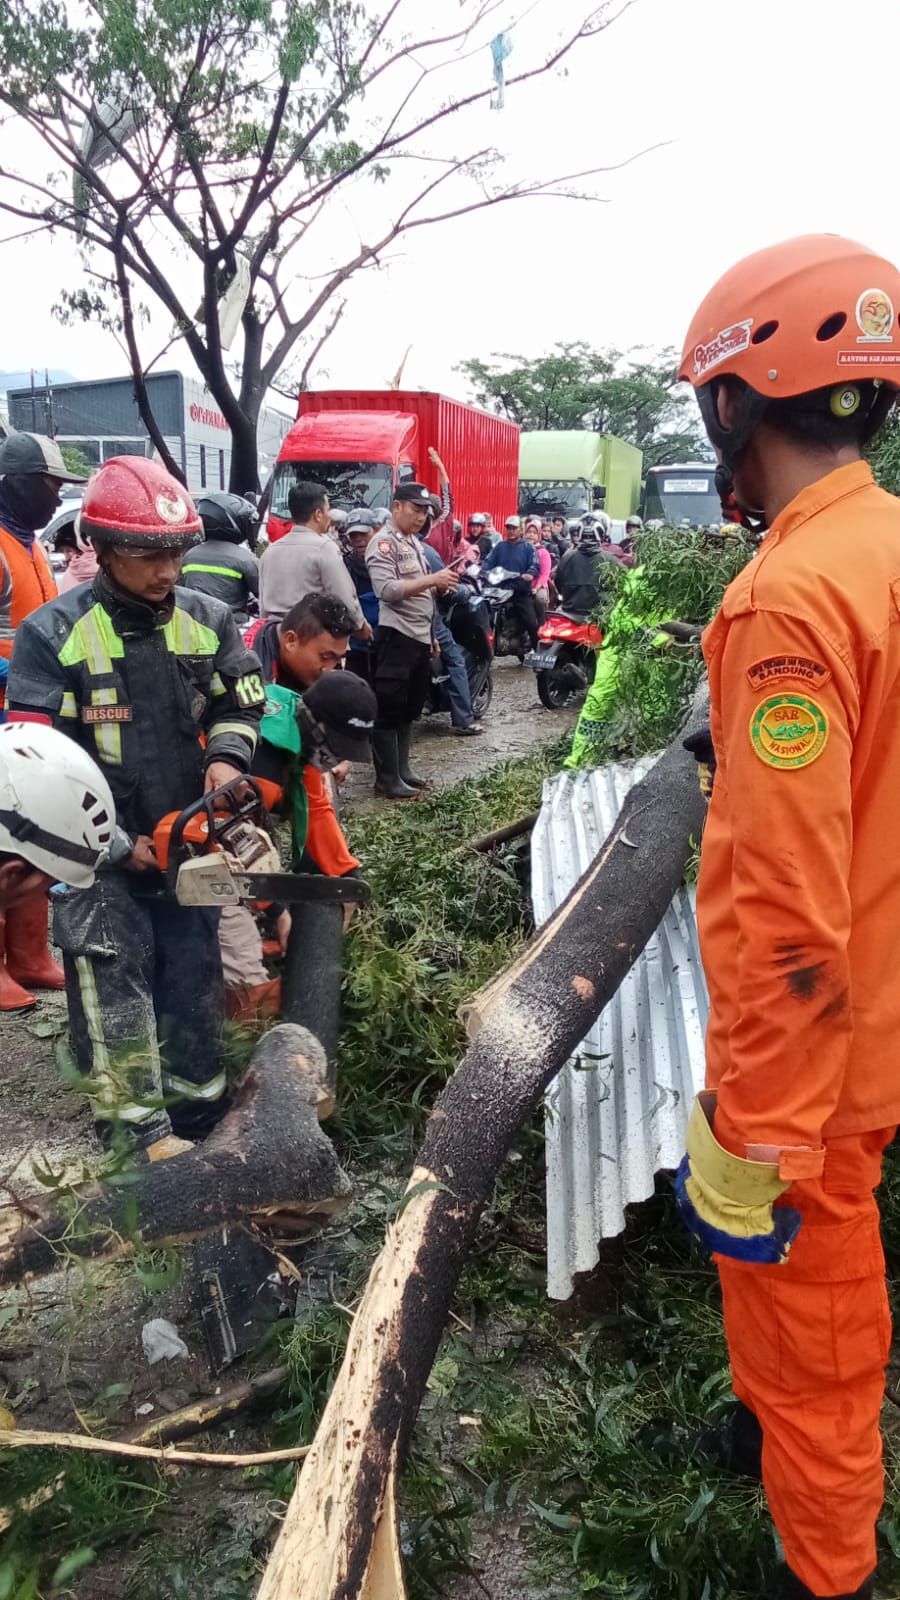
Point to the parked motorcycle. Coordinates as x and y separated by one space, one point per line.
565 658
510 638
467 615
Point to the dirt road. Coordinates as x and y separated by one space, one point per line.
515 723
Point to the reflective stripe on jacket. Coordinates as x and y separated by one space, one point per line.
140 700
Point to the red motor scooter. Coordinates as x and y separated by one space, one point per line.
565 658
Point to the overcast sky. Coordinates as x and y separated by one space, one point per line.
777 121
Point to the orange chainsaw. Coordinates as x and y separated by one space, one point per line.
220 852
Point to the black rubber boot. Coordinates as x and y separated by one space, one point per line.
387 767
404 739
735 1442
792 1589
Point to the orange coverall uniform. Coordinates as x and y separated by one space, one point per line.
799 911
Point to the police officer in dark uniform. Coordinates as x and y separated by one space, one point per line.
405 586
154 682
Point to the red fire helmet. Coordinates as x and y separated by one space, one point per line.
134 502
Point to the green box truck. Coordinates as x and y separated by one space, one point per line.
568 473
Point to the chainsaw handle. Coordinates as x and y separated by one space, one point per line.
235 804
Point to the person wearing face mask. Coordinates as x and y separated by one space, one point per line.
32 472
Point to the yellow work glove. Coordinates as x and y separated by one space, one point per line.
729 1203
701 748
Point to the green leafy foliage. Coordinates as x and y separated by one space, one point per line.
681 575
632 396
65 1508
442 921
76 460
884 454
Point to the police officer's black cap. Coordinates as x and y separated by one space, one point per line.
415 493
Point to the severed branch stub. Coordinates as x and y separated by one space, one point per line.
339 1538
267 1156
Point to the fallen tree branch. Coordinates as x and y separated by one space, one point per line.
512 830
267 1155
211 1411
37 1439
339 1537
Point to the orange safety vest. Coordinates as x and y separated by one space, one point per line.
30 585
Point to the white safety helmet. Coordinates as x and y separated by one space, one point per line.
56 808
604 522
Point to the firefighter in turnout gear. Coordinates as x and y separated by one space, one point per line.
154 682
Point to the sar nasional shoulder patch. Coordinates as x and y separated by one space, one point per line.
788 730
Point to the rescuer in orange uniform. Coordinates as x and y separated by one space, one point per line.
795 356
32 472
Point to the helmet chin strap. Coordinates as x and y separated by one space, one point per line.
731 444
732 510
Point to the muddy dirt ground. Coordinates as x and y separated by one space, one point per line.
515 723
70 1345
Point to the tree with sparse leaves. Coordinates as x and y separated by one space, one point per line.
633 396
198 149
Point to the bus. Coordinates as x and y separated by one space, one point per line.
683 492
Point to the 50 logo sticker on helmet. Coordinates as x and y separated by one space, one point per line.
788 731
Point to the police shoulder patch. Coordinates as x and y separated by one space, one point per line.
771 668
788 730
385 546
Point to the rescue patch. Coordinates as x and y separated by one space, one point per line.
788 730
773 667
106 713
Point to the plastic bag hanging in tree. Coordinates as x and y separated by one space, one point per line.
501 47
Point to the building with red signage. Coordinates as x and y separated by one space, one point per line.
101 418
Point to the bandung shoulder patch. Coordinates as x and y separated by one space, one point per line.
788 730
771 668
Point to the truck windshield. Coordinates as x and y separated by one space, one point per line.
676 497
546 497
349 483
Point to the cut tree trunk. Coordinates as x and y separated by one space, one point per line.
312 978
267 1155
339 1538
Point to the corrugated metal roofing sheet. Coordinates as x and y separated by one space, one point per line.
617 1113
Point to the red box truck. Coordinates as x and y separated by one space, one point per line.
360 443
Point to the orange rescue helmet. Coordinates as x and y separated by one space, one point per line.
812 320
803 315
136 503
